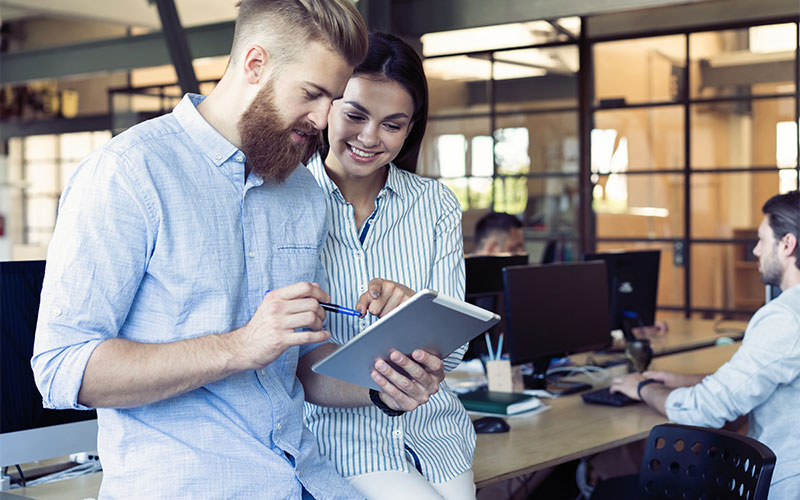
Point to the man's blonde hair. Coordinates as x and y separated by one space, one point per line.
285 27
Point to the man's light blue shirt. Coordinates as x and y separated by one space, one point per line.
159 238
761 380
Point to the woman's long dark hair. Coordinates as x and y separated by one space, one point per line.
391 58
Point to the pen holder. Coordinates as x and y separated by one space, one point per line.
503 377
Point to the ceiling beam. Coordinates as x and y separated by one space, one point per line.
417 17
689 17
116 54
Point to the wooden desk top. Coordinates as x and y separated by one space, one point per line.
687 334
76 488
572 429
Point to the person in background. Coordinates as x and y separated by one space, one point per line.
498 233
153 307
762 379
392 232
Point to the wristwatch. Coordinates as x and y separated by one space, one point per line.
375 397
644 383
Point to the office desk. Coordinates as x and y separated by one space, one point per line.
687 334
69 489
572 429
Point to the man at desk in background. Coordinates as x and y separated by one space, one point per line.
762 378
498 233
153 306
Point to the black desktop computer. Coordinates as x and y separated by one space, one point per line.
29 432
632 288
484 288
553 310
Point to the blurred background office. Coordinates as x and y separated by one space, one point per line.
638 124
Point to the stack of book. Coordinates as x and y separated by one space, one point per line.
500 403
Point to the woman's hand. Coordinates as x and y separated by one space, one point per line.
382 296
425 372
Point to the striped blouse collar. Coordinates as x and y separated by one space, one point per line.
394 181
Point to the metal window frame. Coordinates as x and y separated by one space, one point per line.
587 238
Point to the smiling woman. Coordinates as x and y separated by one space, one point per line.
382 214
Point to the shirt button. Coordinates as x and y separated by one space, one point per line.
239 159
57 311
252 254
398 433
278 426
218 156
263 372
362 288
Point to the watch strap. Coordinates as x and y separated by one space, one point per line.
644 383
375 397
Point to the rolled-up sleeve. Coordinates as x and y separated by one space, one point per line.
448 264
768 357
95 262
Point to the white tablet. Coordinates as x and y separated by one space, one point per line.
428 320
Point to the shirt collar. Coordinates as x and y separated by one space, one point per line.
211 143
394 182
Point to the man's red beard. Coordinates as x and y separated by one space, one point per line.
269 149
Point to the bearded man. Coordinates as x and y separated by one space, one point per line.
762 379
155 308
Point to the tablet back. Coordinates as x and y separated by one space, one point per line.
428 320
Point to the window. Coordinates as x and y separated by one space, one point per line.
511 93
39 168
685 151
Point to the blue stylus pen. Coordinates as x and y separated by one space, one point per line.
339 309
334 308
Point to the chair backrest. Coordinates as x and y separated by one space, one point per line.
686 462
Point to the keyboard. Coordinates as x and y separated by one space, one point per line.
604 397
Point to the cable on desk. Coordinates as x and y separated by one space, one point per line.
20 482
600 373
78 470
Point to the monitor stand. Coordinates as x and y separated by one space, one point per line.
556 386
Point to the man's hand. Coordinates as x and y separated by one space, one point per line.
400 392
382 296
659 329
673 380
271 330
627 385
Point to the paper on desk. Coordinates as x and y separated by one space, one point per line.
534 411
539 393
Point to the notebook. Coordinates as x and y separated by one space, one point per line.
501 403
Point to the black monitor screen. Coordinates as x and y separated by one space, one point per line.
20 401
485 272
632 286
556 309
484 288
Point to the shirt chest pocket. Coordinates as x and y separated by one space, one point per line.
291 263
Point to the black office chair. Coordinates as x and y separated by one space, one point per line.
687 462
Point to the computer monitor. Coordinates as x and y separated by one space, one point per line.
553 310
485 273
484 288
632 287
29 432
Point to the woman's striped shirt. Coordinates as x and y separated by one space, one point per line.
414 238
